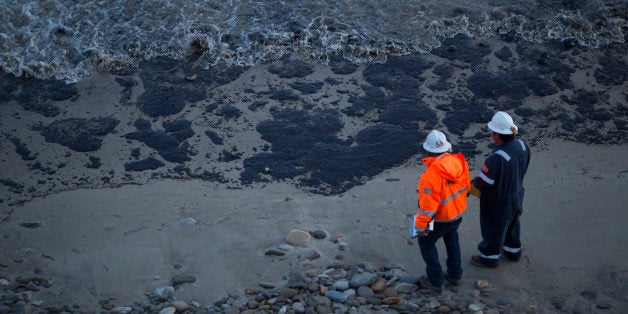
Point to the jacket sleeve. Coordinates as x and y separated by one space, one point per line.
429 200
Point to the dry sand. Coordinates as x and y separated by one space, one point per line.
123 242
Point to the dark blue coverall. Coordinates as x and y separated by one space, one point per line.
501 183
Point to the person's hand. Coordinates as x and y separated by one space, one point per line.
424 233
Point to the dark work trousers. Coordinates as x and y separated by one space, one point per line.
500 232
427 244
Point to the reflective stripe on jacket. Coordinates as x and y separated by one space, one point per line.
442 190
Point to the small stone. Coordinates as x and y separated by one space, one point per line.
298 307
379 285
532 309
481 284
433 304
178 280
121 310
336 296
474 293
349 293
341 285
391 292
363 279
107 305
285 247
443 309
319 234
37 303
365 291
391 300
252 304
25 250
473 307
289 293
299 238
274 252
4 282
339 256
168 310
342 246
180 306
406 287
492 311
312 255
267 285
163 293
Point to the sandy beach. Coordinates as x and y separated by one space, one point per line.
109 196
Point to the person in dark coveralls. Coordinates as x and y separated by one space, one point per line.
442 198
500 183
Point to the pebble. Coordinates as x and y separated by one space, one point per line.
298 307
406 287
481 284
473 307
363 279
178 280
274 252
365 291
267 284
121 310
341 285
180 306
168 310
319 234
336 296
299 238
163 293
604 305
285 247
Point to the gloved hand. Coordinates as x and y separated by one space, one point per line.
475 192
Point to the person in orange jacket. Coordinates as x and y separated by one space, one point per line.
442 198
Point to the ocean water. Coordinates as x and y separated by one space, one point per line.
72 40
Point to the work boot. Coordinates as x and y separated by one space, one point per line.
512 257
424 283
452 281
480 262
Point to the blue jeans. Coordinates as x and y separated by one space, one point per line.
427 244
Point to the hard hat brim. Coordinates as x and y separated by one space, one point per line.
497 130
443 149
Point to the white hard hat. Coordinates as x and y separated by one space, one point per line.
502 123
436 142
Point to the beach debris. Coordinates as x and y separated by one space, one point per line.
192 77
481 284
186 222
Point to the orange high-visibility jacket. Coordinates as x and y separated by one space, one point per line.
442 189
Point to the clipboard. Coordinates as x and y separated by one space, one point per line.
414 232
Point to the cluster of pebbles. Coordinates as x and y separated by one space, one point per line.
335 288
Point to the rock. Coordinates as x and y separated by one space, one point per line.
341 285
336 296
363 279
365 291
391 300
288 293
473 307
285 247
313 272
252 304
121 310
379 285
298 307
299 238
274 252
443 309
433 304
532 309
4 282
319 234
481 284
178 280
391 292
163 293
474 293
168 310
312 255
267 285
180 306
492 311
107 305
406 287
